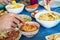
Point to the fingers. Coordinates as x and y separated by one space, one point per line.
6 1
17 17
16 21
13 25
47 2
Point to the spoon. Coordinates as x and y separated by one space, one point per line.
47 7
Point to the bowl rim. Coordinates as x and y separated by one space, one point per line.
43 13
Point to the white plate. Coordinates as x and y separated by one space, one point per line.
50 35
54 5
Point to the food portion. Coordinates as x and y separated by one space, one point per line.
12 35
54 37
29 27
26 18
48 17
32 6
14 5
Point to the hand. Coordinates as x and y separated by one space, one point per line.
9 21
5 1
48 2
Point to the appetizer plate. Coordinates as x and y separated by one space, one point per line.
47 37
54 5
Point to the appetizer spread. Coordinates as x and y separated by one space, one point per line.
53 37
48 17
28 27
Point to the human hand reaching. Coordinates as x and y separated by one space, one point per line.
5 1
48 2
9 21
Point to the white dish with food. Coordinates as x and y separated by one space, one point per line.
53 36
31 8
30 29
18 8
47 20
26 18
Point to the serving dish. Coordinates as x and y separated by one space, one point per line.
15 7
45 23
55 36
26 18
29 29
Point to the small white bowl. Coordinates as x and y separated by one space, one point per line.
30 10
47 24
31 34
26 18
16 10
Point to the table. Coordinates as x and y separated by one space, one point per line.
43 31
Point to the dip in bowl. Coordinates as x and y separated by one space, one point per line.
46 19
29 29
